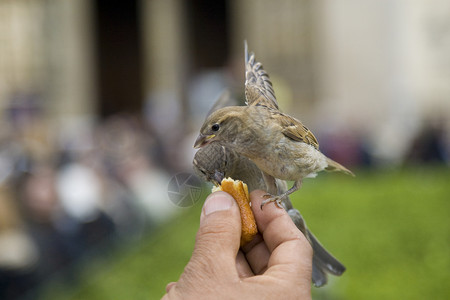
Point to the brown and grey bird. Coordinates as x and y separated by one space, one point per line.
280 145
215 162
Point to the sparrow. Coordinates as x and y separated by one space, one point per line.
215 162
277 143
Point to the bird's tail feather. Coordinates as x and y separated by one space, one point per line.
318 276
334 166
323 261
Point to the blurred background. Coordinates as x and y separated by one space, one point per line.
101 101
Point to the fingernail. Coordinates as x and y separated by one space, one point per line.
217 202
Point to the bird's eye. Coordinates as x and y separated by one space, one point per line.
215 127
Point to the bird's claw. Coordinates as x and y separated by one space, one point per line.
272 198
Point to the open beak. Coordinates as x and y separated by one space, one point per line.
218 177
203 140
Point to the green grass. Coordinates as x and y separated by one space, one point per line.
390 228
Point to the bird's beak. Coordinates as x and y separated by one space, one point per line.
203 140
218 177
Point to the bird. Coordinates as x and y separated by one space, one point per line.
215 162
281 146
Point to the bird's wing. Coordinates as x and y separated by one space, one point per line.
294 129
258 88
225 99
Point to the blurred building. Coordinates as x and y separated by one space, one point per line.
376 69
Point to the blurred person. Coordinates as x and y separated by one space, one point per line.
81 196
277 264
36 194
79 191
346 146
64 232
30 127
128 152
18 253
119 205
429 145
149 187
163 113
82 151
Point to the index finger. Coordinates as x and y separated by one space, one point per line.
290 250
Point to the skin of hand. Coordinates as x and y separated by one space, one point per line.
275 265
215 162
280 145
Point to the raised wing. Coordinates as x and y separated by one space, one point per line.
295 130
225 99
258 88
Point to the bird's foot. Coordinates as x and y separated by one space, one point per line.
272 198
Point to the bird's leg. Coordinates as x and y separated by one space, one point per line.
271 184
271 187
278 198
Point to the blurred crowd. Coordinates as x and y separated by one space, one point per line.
69 195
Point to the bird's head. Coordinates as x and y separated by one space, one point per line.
212 163
222 125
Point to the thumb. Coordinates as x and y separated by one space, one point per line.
217 243
218 237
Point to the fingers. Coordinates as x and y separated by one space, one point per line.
280 252
274 223
257 254
170 285
218 237
242 266
289 249
213 260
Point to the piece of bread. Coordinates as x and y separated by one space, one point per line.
239 191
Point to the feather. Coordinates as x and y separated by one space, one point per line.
294 129
258 88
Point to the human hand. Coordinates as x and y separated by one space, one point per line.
275 265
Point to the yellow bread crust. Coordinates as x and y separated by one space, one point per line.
239 191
